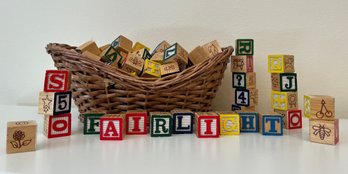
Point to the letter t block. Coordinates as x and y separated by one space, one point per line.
272 124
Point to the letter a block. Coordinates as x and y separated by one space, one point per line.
54 103
229 123
319 107
272 125
91 123
112 127
136 122
324 131
292 119
249 121
281 64
21 136
207 124
284 100
182 121
57 126
161 124
56 81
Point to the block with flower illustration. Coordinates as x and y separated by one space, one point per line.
21 136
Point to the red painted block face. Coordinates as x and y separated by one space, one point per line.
294 119
111 129
56 81
59 126
208 126
136 123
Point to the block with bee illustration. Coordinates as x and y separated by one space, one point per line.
57 125
324 131
161 124
169 68
133 63
212 48
207 124
53 103
284 82
21 136
244 47
284 100
229 123
271 124
89 46
244 80
137 46
112 127
151 69
57 81
242 64
122 44
319 107
198 55
161 47
136 122
176 53
281 64
292 119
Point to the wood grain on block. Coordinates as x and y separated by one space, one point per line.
143 53
91 123
242 64
198 55
161 124
169 68
212 48
284 82
137 46
244 80
284 100
249 121
151 69
91 56
21 136
90 46
57 125
122 44
133 63
324 131
112 127
319 107
207 124
271 124
57 81
244 47
157 57
182 121
176 53
292 119
254 97
104 47
136 122
53 103
235 107
281 64
161 47
229 123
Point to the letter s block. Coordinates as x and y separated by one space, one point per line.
207 124
57 81
112 127
161 124
272 125
57 126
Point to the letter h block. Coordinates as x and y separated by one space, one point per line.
229 123
182 121
207 124
57 125
272 124
249 121
112 127
136 122
161 124
91 123
57 81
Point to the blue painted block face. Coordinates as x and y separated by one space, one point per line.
183 123
272 125
249 121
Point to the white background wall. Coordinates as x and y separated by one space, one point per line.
315 31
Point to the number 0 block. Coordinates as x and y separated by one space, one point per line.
54 103
57 126
57 81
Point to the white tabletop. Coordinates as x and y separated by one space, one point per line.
246 153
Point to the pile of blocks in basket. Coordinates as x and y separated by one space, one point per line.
136 59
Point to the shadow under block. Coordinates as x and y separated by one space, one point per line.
57 81
54 103
242 64
136 122
133 63
169 68
161 124
235 107
90 46
284 100
112 127
271 124
244 80
284 82
91 123
122 44
244 47
57 125
161 47
324 131
137 46
249 121
212 48
246 97
198 55
176 53
182 121
229 123
151 69
281 64
21 136
319 107
207 124
292 119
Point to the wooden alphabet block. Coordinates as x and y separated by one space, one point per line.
229 123
111 56
57 81
54 103
284 82
57 125
235 107
104 47
292 119
324 131
249 121
112 127
91 123
272 124
90 46
246 97
244 47
198 55
91 56
212 48
137 46
122 44
143 53
161 124
158 57
242 64
182 121
284 100
169 68
176 53
133 63
319 107
161 47
21 136
244 80
281 64
207 124
136 122
151 69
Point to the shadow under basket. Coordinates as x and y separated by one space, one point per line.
98 87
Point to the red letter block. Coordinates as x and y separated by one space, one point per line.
56 81
207 124
292 119
136 122
112 127
57 126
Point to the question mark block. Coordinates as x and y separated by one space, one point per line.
244 47
242 64
244 80
57 125
229 123
284 100
292 119
319 107
324 131
284 82
281 64
54 103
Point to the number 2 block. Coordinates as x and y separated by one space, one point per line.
244 47
244 80
272 124
56 81
57 126
281 64
284 100
54 103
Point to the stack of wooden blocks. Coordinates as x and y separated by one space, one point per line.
243 76
323 127
284 90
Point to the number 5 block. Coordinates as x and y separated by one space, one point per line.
54 103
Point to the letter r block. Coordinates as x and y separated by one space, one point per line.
272 124
249 121
136 122
56 81
207 124
161 124
57 125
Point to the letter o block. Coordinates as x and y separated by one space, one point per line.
57 126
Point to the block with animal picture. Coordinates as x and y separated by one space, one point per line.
57 81
57 125
91 123
235 107
229 123
112 127
133 63
292 119
182 121
242 64
244 80
212 48
151 69
137 46
249 121
284 100
161 47
21 136
169 68
54 103
122 44
244 47
198 55
161 124
136 122
281 64
284 82
89 46
324 131
176 53
207 124
271 124
319 107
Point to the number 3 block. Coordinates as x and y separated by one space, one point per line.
281 64
57 126
56 81
54 103
284 100
319 107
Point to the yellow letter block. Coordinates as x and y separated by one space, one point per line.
137 46
229 123
152 69
281 64
284 100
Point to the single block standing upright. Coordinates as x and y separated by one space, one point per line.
249 121
112 127
244 80
292 119
161 124
21 136
229 123
54 103
182 121
324 131
244 47
91 124
319 107
57 81
57 125
136 122
207 124
271 124
284 82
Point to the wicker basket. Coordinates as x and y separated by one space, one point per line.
99 87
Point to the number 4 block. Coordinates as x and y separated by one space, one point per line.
246 97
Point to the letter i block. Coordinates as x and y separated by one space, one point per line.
54 103
229 123
284 100
244 80
281 64
161 124
207 124
136 122
272 124
284 82
319 107
292 119
151 69
249 121
242 64
57 126
57 81
21 136
91 123
182 121
112 127
244 47
324 131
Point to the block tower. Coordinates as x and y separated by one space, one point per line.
284 90
55 104
243 76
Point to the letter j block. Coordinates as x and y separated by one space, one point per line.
161 124
272 125
56 81
207 124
